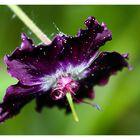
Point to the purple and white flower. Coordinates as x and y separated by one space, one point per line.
68 65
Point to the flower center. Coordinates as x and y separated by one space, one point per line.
64 85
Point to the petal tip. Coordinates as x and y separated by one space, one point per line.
126 56
130 68
27 43
3 114
6 59
90 21
23 36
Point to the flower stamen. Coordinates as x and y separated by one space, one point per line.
64 85
93 105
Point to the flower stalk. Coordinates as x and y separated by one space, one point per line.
29 23
70 101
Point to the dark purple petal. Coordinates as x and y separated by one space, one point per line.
86 43
105 65
85 91
26 73
16 97
46 101
29 63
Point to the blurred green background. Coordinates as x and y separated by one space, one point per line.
119 99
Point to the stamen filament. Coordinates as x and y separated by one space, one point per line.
29 23
93 105
69 98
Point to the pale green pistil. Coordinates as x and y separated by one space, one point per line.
70 101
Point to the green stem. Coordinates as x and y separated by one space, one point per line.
29 23
69 98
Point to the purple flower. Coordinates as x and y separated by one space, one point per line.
69 64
